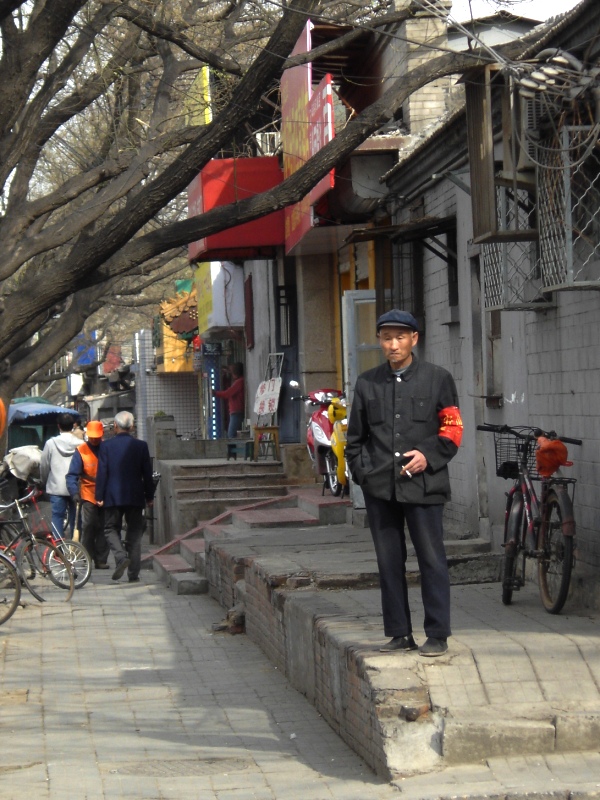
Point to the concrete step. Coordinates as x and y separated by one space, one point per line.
194 512
215 530
230 492
226 480
328 509
461 546
188 583
273 518
192 551
215 468
168 564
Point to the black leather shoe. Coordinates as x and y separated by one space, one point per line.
102 566
399 643
134 580
434 647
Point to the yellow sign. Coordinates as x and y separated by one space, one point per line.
198 102
203 280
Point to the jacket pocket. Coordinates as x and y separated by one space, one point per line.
437 482
422 409
375 412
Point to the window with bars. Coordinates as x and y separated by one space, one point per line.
408 291
286 302
569 199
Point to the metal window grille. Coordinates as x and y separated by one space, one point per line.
569 198
511 269
286 298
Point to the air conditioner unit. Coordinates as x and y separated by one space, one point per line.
529 133
521 137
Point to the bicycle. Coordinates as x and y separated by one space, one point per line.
42 567
541 527
75 552
10 588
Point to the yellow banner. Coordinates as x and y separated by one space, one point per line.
198 109
203 280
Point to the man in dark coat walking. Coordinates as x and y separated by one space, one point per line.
124 486
404 428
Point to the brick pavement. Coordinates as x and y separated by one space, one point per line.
126 693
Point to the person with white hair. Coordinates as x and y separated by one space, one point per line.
124 487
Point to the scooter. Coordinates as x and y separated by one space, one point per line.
318 435
338 416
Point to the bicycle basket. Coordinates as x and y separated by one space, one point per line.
509 451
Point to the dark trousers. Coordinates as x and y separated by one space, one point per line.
92 532
136 525
386 520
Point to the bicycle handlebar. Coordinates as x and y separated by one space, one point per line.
18 500
525 432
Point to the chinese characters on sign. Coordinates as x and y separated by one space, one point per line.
267 397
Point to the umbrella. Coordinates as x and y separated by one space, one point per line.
35 413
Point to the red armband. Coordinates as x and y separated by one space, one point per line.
451 425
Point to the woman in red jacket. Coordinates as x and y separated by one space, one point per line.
235 399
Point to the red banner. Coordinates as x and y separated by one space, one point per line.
320 129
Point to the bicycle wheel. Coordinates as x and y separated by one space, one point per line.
10 589
79 559
512 532
45 571
335 487
556 561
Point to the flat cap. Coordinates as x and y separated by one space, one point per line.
397 319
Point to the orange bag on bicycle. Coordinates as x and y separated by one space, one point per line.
550 454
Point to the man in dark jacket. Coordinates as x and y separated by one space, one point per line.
404 428
124 486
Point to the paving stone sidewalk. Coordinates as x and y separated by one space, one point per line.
127 693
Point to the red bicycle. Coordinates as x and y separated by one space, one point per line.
42 566
539 527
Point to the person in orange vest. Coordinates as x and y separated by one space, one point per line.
81 483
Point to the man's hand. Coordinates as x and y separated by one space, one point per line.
150 503
417 463
77 498
100 503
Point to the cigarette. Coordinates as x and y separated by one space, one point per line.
404 471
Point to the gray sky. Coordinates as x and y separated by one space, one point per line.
535 9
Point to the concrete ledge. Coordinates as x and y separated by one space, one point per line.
188 583
475 567
469 740
578 731
381 711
